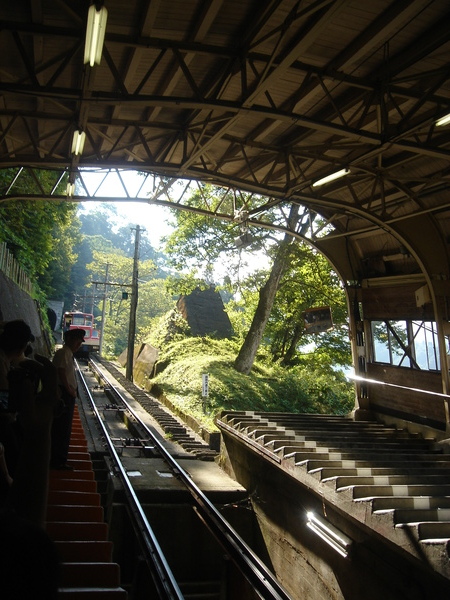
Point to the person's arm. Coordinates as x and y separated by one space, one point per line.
63 361
62 376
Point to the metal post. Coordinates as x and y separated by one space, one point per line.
133 308
100 350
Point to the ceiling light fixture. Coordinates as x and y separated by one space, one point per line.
95 35
329 534
331 177
79 137
70 190
443 120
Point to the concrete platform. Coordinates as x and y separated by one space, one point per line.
153 481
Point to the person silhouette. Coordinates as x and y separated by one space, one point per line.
62 424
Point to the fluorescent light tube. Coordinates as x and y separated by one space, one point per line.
95 35
331 177
329 534
70 190
443 120
79 137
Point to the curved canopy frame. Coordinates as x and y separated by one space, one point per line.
263 96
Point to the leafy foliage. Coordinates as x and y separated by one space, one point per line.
101 231
301 277
200 242
308 282
268 387
167 328
41 234
153 299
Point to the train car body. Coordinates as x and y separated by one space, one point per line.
80 320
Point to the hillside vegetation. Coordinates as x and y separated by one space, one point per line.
268 387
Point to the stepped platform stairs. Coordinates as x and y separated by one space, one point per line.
393 481
75 522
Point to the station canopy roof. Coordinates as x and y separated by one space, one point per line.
264 96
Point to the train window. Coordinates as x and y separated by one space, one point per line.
78 320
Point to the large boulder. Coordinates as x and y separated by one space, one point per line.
145 357
205 314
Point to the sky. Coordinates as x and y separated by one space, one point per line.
153 218
123 184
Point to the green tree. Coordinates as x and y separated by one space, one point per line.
247 353
153 299
308 282
199 242
101 223
41 234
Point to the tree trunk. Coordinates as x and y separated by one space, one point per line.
292 350
246 356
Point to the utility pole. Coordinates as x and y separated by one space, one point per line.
133 307
103 312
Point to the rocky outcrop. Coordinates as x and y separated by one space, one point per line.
144 360
205 314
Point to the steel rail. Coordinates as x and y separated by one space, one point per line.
251 566
164 580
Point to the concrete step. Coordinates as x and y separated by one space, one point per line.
388 503
412 471
90 574
306 423
428 532
403 516
389 480
352 427
79 453
79 464
434 530
92 593
276 440
74 485
78 444
356 447
304 426
441 462
372 491
380 456
71 512
84 550
77 530
73 497
235 417
87 474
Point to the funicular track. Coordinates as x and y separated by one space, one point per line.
171 424
257 581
